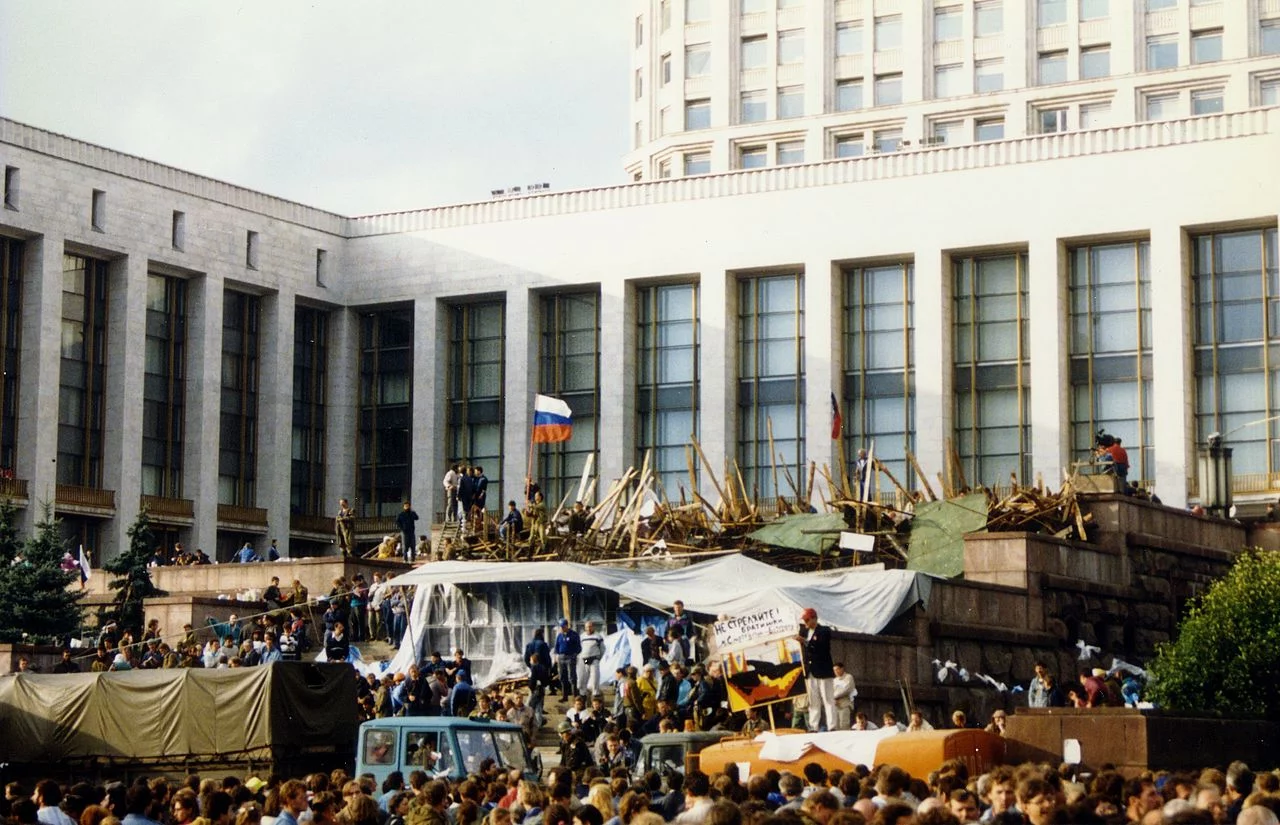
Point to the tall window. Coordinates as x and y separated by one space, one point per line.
164 387
238 435
477 342
1111 351
667 381
697 114
771 383
383 442
1237 305
879 365
10 339
1051 12
848 39
948 24
310 360
83 373
570 370
697 60
992 368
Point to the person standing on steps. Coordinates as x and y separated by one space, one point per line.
451 479
405 521
567 647
344 527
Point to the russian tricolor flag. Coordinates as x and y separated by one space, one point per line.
552 420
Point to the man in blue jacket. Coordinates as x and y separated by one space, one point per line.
537 655
568 646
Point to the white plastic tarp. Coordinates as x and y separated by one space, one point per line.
857 747
852 601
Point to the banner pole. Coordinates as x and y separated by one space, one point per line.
528 475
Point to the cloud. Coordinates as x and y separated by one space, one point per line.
366 107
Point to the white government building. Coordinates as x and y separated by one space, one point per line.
1001 224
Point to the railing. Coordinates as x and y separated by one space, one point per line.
161 508
256 516
376 524
71 495
1245 483
299 523
13 488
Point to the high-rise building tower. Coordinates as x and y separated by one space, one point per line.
739 84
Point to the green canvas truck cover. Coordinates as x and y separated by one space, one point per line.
176 714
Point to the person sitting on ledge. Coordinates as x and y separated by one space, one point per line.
247 554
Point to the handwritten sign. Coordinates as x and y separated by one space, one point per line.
753 627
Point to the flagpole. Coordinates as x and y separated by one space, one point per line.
528 475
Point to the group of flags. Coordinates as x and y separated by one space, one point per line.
553 420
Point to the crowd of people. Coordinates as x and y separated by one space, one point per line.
354 610
1029 794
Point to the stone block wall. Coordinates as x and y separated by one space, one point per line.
317 574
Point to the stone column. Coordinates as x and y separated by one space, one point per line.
426 434
822 369
126 363
931 293
275 414
1173 407
615 429
37 431
718 334
1048 349
521 356
343 401
203 391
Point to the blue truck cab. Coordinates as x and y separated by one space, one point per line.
443 746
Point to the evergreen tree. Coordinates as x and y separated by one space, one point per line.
40 603
133 578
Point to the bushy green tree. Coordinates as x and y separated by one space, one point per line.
1227 651
39 603
133 578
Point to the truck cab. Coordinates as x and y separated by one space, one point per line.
673 752
443 746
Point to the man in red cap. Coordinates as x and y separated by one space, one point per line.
819 671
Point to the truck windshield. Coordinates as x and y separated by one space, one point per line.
666 759
511 748
379 746
476 746
426 750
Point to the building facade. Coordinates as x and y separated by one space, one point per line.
237 362
742 84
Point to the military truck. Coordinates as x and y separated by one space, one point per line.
289 718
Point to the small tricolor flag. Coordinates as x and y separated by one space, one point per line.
837 421
552 420
85 569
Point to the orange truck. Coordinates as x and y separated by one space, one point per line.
918 753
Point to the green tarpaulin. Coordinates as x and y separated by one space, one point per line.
811 532
158 714
937 533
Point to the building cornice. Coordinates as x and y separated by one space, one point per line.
903 164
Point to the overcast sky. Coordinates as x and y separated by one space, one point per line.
356 106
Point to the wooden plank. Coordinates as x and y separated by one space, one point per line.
773 461
710 473
587 467
924 480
